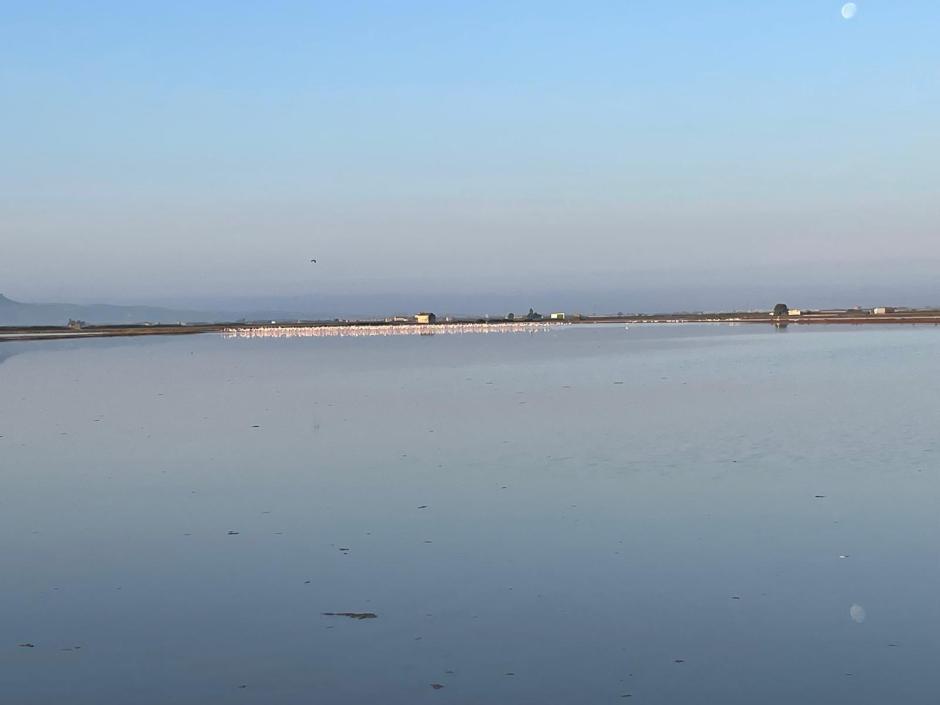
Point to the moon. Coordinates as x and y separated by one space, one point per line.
849 10
857 613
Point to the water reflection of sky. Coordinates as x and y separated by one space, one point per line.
657 512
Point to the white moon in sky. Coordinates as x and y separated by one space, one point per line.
857 613
849 10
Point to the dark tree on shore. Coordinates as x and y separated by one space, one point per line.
510 316
533 316
781 310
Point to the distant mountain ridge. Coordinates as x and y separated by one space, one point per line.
17 313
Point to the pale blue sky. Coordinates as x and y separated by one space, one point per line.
180 149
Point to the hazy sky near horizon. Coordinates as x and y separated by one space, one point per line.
174 149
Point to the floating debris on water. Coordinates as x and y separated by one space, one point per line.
351 615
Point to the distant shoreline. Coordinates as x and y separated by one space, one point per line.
850 317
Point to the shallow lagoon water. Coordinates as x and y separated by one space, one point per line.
671 513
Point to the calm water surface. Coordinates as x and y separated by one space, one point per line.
675 514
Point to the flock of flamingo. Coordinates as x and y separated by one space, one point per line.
342 331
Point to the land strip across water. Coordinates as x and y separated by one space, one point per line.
481 325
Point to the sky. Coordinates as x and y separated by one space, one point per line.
188 152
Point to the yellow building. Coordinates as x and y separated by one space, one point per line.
425 318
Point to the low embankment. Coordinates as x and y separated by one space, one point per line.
373 327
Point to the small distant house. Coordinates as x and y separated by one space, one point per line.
795 312
557 316
76 325
882 310
425 318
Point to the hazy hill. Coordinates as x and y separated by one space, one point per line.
16 313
